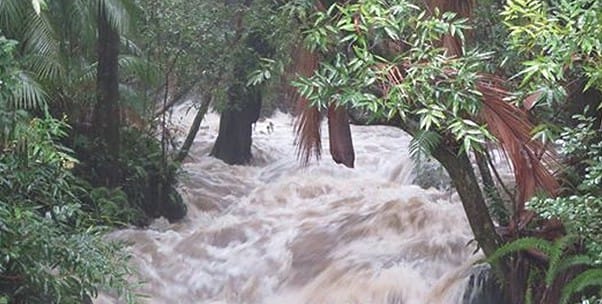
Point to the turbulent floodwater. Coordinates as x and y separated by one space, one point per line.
275 232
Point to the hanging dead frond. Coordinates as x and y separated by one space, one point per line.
307 123
530 100
531 160
339 132
307 130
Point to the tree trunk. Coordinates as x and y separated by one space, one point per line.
107 91
233 144
460 171
194 129
495 200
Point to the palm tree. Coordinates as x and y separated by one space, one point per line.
65 47
106 114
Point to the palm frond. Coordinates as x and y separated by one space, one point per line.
29 94
130 66
88 73
131 46
44 67
530 159
116 13
81 15
139 68
307 129
307 124
339 135
12 14
40 38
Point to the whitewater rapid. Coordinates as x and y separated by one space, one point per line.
276 232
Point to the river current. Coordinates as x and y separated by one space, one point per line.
277 232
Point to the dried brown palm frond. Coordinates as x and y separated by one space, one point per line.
307 130
531 160
307 123
339 135
530 100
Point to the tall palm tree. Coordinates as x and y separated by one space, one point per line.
66 46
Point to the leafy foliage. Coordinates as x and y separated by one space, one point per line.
181 35
417 80
558 262
557 42
392 59
49 250
582 209
554 37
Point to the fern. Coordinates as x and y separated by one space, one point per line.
558 263
534 276
556 258
588 278
520 245
423 143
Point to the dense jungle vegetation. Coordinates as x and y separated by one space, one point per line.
86 89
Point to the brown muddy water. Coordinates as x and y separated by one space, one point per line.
276 232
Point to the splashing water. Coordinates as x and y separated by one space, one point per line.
275 232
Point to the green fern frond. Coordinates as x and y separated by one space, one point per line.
588 278
423 143
522 244
534 276
566 263
556 256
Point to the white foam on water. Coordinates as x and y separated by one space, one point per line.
277 232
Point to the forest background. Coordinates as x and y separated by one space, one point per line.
86 89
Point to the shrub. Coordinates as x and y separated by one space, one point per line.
49 250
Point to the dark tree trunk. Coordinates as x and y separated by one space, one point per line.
461 172
233 144
107 104
194 129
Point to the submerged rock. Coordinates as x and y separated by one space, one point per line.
430 174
